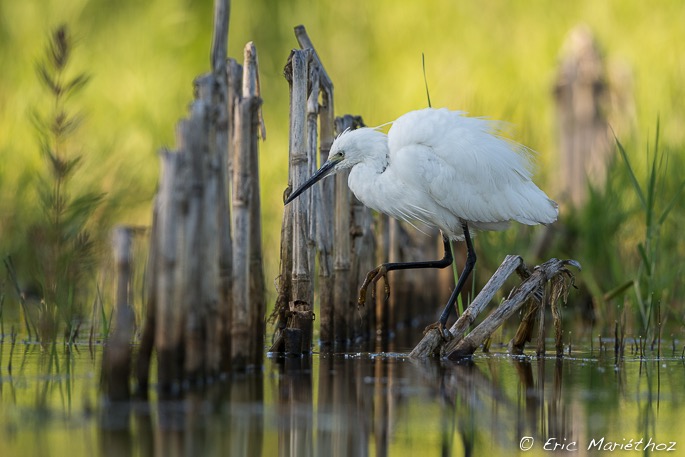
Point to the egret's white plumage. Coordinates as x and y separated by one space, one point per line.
443 168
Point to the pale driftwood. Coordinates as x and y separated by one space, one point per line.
116 360
323 209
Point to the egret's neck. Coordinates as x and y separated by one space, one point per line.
366 176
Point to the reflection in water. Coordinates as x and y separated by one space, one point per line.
347 405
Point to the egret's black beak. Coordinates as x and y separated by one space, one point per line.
326 169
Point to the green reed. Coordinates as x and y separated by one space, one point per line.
651 279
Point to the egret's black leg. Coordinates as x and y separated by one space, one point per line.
468 267
377 273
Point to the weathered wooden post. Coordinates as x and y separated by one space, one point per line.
323 213
363 260
167 329
248 287
116 361
257 284
347 279
222 150
580 94
342 296
240 324
300 305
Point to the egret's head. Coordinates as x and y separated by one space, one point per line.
349 148
354 146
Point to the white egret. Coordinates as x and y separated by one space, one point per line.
443 169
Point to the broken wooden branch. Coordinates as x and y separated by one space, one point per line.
457 346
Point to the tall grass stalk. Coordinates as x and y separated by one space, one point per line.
63 252
647 283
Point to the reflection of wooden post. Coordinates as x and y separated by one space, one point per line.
294 406
580 94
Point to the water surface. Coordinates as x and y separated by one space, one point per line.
353 404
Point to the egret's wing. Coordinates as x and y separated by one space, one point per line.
465 170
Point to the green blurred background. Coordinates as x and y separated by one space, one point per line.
491 58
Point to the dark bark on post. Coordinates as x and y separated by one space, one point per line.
116 361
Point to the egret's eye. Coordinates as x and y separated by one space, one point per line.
338 155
